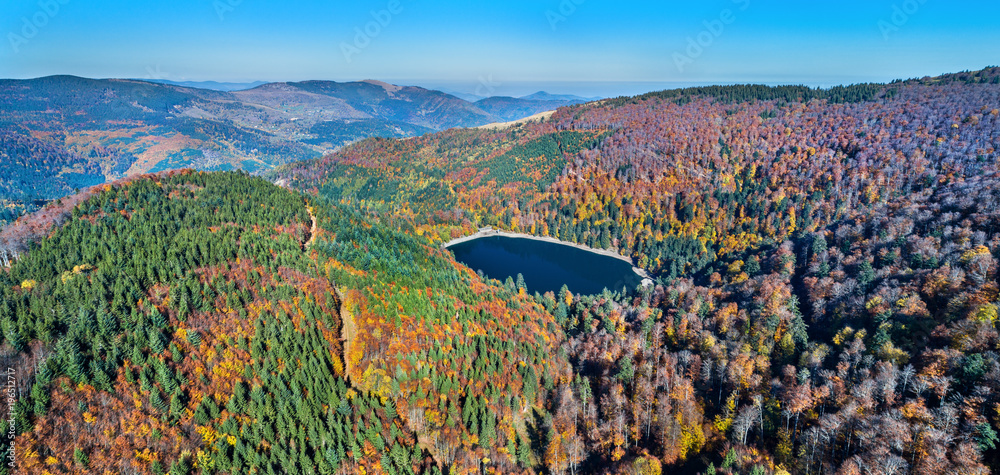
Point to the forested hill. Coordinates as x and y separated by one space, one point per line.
826 262
178 323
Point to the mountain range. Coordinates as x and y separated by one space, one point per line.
213 85
84 131
242 86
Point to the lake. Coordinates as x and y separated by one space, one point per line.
546 266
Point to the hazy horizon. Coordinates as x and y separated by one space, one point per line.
485 87
492 46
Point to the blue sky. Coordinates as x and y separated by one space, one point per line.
496 46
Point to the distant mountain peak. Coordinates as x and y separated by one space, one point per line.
211 85
544 96
389 88
275 86
511 109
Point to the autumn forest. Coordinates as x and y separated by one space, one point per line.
825 298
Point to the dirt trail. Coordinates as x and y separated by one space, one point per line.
348 330
312 230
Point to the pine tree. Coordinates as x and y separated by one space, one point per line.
523 452
81 458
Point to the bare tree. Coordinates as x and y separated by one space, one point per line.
747 418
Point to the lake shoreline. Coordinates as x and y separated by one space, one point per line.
490 232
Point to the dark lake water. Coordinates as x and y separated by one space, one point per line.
546 266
